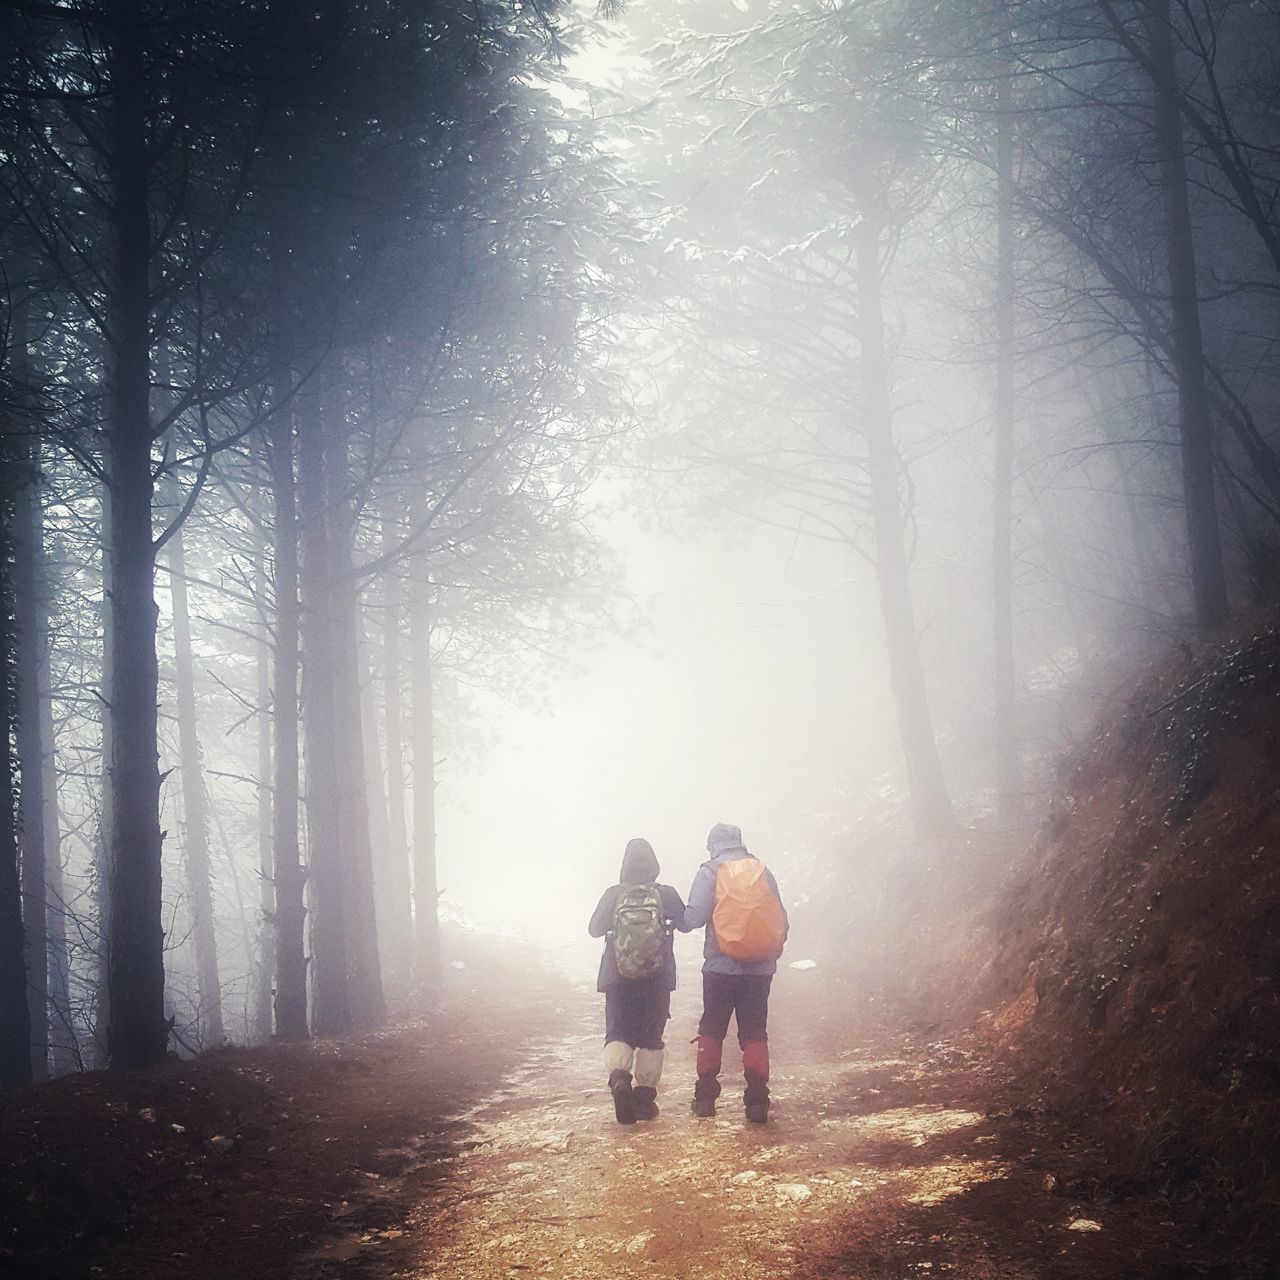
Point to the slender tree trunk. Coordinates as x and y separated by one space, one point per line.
379 821
1008 746
15 1014
101 1014
1208 578
194 804
321 726
32 626
398 929
137 1031
263 967
244 916
425 891
16 1055
930 801
1056 535
289 879
368 1006
62 1034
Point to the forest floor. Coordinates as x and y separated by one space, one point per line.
480 1143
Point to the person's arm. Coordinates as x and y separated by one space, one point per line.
602 917
702 899
673 908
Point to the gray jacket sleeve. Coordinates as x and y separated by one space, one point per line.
702 899
673 907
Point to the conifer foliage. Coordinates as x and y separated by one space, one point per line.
311 287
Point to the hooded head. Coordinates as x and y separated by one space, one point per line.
639 863
725 838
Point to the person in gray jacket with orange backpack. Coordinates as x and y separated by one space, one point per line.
736 898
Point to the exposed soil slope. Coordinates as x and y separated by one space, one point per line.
1138 955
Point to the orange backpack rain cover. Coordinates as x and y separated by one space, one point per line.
748 918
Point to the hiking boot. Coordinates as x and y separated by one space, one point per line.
756 1103
624 1102
705 1092
645 1099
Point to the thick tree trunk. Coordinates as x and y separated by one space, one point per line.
321 727
289 878
426 918
347 971
930 801
31 639
1008 746
195 810
137 1030
1208 579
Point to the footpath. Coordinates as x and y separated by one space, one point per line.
479 1143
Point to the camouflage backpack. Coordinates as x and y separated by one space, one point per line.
639 935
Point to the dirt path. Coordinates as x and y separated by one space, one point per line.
872 1165
481 1143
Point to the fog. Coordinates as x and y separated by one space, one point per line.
703 715
442 446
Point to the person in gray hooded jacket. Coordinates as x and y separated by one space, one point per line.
636 1009
730 988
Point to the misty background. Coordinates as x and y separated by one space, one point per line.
540 426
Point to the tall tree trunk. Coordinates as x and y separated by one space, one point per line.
379 821
15 1014
397 925
101 1013
1008 746
137 1030
15 1011
62 1033
194 805
368 1006
426 920
31 638
930 801
263 958
1208 579
290 878
322 725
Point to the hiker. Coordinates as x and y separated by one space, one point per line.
736 897
637 975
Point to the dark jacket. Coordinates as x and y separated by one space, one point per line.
639 866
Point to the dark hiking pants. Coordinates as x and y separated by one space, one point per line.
745 997
636 1012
